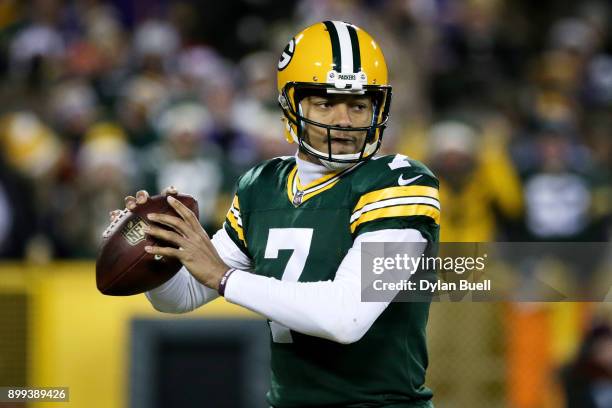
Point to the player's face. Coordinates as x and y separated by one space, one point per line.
338 110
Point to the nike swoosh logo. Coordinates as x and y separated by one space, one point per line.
402 182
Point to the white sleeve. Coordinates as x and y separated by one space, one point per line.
330 309
183 293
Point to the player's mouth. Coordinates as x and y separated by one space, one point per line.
343 140
343 144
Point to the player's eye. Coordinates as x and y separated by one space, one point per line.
323 104
359 107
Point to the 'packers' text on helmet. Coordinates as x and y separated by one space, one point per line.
333 57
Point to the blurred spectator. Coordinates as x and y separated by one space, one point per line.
478 184
186 159
587 381
559 188
17 213
155 45
256 111
106 171
73 106
477 54
240 149
199 67
29 146
140 97
575 35
99 49
36 51
597 135
597 87
37 155
553 97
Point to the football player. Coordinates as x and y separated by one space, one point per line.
328 347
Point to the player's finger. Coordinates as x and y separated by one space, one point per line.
169 190
114 214
171 221
180 225
185 213
169 236
130 202
163 251
142 196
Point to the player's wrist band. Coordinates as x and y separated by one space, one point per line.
223 281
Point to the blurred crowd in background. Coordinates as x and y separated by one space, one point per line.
509 102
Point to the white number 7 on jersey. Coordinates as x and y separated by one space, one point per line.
297 239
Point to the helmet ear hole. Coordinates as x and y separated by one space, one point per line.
282 101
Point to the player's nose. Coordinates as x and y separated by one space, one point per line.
342 115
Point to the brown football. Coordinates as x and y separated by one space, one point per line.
123 267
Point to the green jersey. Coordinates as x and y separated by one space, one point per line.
273 215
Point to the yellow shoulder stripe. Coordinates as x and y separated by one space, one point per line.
398 211
395 192
233 220
290 183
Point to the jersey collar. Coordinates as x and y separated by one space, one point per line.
298 193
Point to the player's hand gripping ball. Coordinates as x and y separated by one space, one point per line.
123 267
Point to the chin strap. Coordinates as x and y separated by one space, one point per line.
335 166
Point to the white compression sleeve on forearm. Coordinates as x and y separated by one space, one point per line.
183 293
328 309
180 294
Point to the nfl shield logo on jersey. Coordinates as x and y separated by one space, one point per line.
297 199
